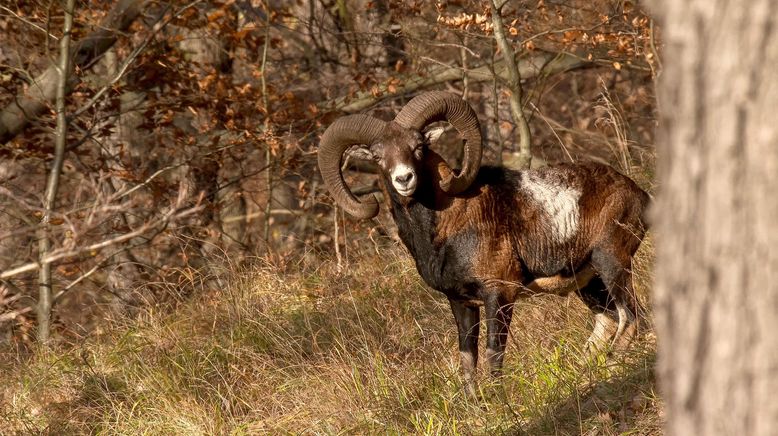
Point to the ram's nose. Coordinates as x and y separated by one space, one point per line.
404 180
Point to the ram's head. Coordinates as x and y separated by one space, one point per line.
399 147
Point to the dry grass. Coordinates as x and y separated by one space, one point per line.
371 351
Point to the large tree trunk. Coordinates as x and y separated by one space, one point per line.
716 218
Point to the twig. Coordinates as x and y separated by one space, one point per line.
652 44
32 102
459 46
94 269
561 143
268 153
159 25
119 194
28 22
465 80
122 71
10 316
56 255
496 108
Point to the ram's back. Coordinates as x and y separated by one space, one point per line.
543 222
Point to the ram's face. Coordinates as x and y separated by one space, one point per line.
400 153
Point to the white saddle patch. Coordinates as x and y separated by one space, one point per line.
559 202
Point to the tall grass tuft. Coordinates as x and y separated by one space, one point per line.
369 350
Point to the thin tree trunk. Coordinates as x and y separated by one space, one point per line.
495 130
44 244
125 273
465 79
268 154
514 87
716 289
347 22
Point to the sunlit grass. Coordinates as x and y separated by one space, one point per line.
368 351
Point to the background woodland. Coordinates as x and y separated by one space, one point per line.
170 261
192 128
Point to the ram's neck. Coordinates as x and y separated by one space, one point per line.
415 219
437 168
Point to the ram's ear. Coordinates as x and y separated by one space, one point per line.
433 134
361 152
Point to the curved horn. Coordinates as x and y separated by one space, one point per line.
439 106
340 135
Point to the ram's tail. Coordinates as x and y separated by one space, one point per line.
647 213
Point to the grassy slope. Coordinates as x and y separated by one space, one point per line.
369 351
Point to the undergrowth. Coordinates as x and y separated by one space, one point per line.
371 350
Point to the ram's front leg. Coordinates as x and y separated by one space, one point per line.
468 319
498 311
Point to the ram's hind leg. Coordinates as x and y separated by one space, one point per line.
616 275
626 308
595 295
467 318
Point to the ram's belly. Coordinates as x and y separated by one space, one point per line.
561 284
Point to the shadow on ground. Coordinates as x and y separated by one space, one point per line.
617 406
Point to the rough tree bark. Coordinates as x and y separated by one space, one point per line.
715 218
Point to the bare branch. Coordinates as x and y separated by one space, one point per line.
538 64
159 25
268 130
57 255
12 315
28 22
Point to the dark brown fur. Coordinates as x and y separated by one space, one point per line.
499 241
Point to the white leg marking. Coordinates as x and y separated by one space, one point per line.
468 368
603 329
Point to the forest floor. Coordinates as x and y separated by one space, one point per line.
310 350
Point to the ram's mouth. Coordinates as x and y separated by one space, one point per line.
406 192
